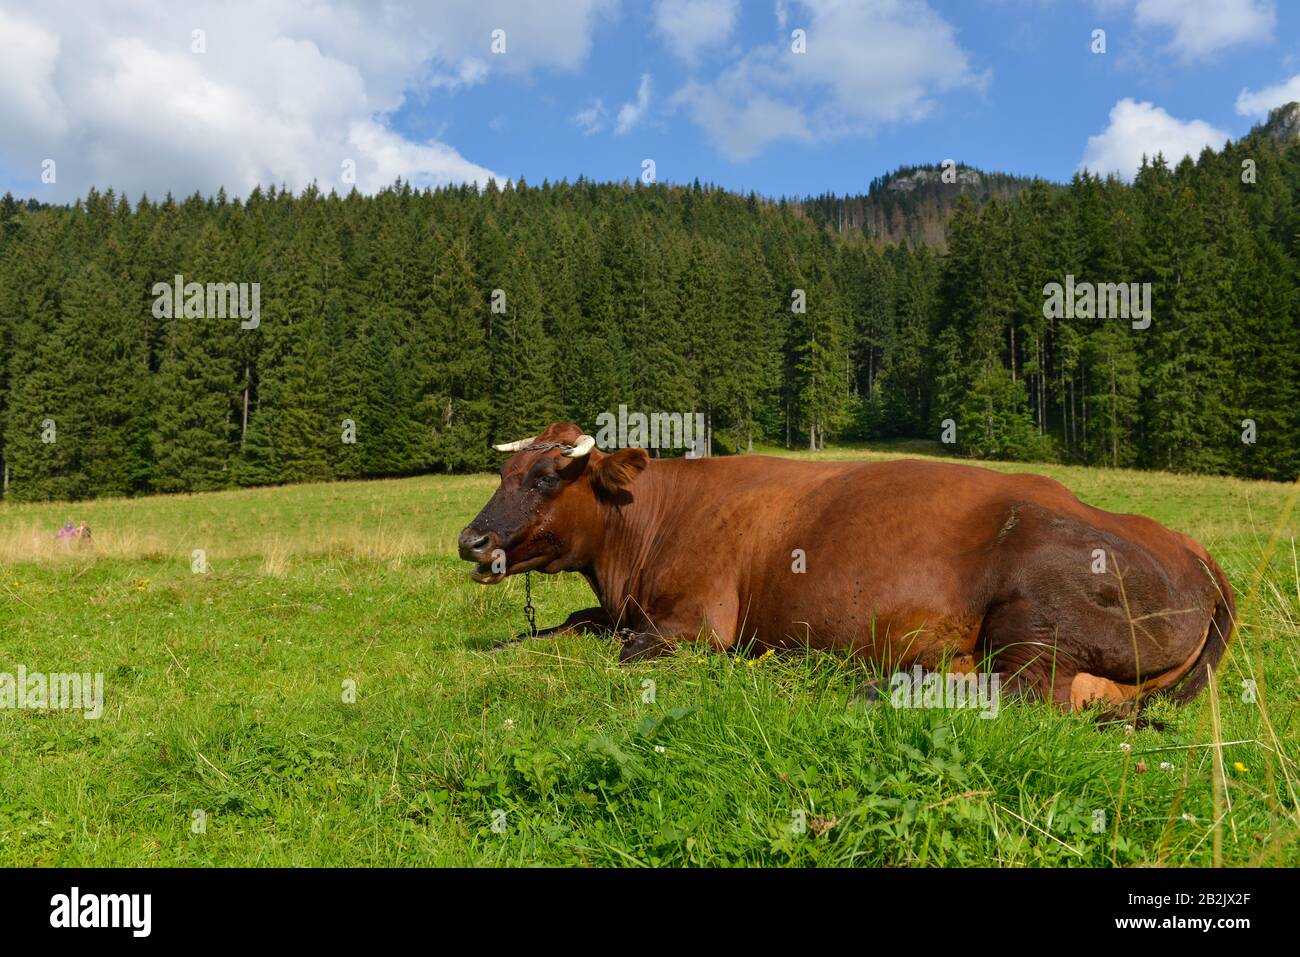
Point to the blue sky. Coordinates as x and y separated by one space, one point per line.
186 96
1043 94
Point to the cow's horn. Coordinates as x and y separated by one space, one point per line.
582 447
515 446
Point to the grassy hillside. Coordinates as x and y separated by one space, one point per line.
224 694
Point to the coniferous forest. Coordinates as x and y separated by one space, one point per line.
403 332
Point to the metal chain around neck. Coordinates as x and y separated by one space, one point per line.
530 613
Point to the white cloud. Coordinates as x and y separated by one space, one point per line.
30 101
742 126
1203 27
1138 129
867 64
391 156
591 118
1258 103
782 14
470 72
691 26
286 92
632 113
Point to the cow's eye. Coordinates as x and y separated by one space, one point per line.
548 481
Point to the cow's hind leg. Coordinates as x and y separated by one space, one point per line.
1033 664
1088 617
1088 689
1024 655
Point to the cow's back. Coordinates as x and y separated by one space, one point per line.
901 557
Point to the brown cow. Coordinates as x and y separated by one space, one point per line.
907 563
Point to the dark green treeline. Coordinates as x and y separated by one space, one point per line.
404 332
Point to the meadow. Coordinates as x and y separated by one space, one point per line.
317 687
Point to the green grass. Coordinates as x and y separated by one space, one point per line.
224 693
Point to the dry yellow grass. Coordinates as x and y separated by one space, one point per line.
386 521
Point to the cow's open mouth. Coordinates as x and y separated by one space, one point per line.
485 574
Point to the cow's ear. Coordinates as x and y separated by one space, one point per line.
616 471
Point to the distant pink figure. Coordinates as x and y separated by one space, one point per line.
70 533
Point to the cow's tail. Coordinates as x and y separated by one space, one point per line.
1216 639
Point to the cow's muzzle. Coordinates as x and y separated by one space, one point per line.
483 548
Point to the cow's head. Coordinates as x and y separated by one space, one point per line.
548 513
